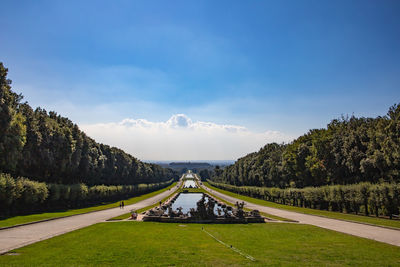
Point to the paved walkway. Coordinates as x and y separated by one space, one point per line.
17 237
24 235
362 230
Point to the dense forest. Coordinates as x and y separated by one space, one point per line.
47 147
349 151
351 166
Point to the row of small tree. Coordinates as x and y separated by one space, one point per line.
379 199
21 195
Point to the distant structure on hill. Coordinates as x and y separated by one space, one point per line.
190 165
196 167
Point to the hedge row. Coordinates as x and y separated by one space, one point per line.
21 195
366 198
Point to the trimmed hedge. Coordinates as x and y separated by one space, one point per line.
21 195
379 199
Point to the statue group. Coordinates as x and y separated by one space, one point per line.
205 211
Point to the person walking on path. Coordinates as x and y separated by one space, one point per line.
123 205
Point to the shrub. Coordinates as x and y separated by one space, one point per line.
378 199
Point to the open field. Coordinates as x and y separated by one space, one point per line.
50 215
329 214
158 244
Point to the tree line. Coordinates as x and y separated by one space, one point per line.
47 147
349 150
381 199
21 195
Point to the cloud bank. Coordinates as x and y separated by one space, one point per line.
179 138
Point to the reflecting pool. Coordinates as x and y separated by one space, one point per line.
188 201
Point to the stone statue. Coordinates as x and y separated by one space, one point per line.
219 211
180 213
226 212
239 210
201 208
255 213
210 208
171 213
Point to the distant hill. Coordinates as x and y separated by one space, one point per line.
195 166
211 162
189 165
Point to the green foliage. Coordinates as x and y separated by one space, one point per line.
21 195
40 216
204 174
380 199
350 150
12 124
49 148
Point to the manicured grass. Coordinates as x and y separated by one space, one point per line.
330 214
158 244
49 215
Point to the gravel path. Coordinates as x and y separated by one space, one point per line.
362 230
17 237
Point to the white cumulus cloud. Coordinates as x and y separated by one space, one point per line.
179 138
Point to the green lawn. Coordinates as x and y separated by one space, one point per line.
330 214
158 244
49 215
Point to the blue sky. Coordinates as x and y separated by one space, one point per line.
281 66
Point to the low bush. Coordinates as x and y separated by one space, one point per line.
379 199
21 195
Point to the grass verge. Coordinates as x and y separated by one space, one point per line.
169 244
16 220
324 213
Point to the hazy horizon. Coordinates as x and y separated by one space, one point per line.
191 161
